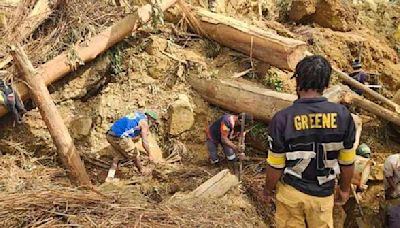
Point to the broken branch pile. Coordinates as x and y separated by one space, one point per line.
51 27
40 200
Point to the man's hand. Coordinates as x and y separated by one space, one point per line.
241 148
242 156
341 197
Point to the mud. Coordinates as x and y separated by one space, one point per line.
148 71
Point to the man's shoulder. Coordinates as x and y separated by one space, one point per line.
393 158
335 106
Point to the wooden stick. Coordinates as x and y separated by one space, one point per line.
87 51
54 122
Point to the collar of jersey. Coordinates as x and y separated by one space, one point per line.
311 100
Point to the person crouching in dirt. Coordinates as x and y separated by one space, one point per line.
124 132
392 176
221 132
310 142
11 100
358 74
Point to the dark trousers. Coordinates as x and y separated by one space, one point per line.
213 151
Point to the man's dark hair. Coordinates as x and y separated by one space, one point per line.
313 72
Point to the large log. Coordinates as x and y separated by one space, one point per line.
269 47
54 122
367 91
359 101
90 49
243 96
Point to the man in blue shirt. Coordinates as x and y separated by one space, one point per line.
126 130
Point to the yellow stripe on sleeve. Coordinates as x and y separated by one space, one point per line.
347 157
276 160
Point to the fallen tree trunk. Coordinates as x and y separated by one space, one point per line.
89 50
54 122
242 96
269 47
368 92
358 101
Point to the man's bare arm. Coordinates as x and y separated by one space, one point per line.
346 174
391 182
144 127
226 141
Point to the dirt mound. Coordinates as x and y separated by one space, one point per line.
338 15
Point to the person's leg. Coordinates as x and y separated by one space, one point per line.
116 157
212 151
229 153
19 104
12 107
319 211
289 207
112 170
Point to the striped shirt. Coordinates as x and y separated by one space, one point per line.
310 140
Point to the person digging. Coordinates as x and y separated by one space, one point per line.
310 142
122 135
222 132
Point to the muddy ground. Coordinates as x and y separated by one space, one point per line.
149 71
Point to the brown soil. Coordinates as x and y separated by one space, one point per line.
147 72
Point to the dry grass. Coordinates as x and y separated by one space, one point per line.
72 21
30 196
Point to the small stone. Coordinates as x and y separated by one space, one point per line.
141 103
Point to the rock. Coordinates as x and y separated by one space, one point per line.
180 115
141 103
156 45
338 15
80 127
160 68
142 78
376 173
335 14
396 35
301 9
362 170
